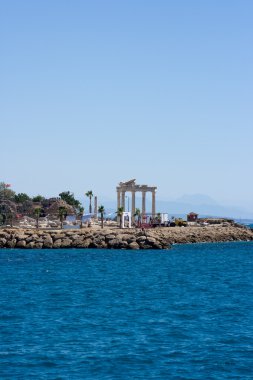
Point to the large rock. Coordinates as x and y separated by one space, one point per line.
151 240
11 243
20 237
110 237
48 242
58 236
57 243
5 235
38 245
66 243
21 244
123 244
114 243
141 239
31 245
134 245
85 243
3 242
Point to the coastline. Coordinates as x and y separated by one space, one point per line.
158 238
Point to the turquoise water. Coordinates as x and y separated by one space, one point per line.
186 313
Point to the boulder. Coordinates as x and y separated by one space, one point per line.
133 245
85 243
123 245
4 235
66 243
21 244
47 241
11 243
141 238
77 243
30 245
114 243
151 240
145 245
57 243
156 246
34 237
110 237
58 236
38 245
98 239
20 237
3 241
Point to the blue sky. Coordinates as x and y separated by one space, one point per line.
95 92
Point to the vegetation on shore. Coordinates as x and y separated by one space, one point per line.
13 205
89 194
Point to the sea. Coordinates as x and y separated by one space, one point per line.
184 313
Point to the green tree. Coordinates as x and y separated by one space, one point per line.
159 219
120 214
69 198
37 212
38 198
101 210
62 214
89 194
81 212
21 197
9 218
5 192
138 214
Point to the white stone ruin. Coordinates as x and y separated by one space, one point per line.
130 186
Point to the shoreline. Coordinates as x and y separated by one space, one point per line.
109 238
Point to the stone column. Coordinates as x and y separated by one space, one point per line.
123 199
96 207
153 204
143 204
133 205
118 199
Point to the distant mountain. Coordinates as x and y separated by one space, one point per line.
203 205
196 199
199 203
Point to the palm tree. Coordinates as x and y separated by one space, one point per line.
81 211
62 214
101 210
89 194
138 214
37 212
159 219
120 213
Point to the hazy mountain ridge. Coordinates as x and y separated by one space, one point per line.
199 203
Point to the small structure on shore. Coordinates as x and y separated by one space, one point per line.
132 187
192 217
126 220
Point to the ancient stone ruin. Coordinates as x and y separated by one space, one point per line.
132 187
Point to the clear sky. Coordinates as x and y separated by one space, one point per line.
95 92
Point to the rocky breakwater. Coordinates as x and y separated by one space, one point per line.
159 238
207 234
85 238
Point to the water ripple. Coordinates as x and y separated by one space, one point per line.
73 314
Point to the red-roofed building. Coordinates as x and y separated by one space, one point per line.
192 217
